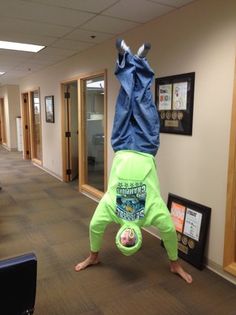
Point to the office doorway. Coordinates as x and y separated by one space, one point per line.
70 131
31 126
25 125
230 223
35 127
3 138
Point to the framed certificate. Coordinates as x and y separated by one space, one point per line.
191 222
49 109
174 99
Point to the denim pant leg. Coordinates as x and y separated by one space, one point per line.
121 138
146 119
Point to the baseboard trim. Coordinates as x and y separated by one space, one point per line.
48 171
211 265
90 196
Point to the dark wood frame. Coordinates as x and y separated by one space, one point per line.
50 99
191 233
175 119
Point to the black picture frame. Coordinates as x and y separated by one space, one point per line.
174 96
191 221
49 109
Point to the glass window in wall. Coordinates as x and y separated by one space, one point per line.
36 126
94 132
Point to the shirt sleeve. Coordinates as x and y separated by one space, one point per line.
163 221
101 218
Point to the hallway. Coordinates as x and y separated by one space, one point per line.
41 214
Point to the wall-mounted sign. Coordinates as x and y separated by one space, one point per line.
174 98
191 222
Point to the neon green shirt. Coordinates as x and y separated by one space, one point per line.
133 194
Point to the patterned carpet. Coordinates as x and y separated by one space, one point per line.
40 214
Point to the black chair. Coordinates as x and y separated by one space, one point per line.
18 276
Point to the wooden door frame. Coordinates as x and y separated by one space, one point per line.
3 122
230 222
0 130
25 108
82 163
65 176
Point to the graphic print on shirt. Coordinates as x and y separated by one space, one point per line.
130 201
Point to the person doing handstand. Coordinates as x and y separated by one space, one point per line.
133 198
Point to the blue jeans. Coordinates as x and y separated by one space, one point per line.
136 122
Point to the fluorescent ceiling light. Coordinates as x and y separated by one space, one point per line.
20 46
1 73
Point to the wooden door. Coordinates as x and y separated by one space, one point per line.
26 126
230 223
70 131
3 122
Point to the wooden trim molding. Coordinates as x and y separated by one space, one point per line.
231 268
230 223
36 161
63 129
92 191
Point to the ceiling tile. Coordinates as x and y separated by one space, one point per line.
10 61
29 67
173 3
51 51
67 27
6 78
18 73
37 39
86 5
30 27
44 13
46 60
88 36
71 44
16 54
137 10
109 25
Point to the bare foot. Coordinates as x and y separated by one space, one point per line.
175 267
91 260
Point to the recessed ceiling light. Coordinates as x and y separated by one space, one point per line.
20 46
1 73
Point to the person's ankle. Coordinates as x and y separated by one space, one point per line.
121 46
93 256
143 50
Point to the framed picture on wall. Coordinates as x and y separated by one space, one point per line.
174 99
191 222
49 109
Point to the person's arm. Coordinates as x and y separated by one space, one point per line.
167 230
98 224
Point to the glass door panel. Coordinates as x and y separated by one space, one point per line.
36 125
93 124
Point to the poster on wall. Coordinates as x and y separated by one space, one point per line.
191 222
174 97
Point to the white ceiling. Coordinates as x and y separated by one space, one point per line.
67 27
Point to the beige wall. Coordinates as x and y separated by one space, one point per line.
14 111
11 96
4 95
199 37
